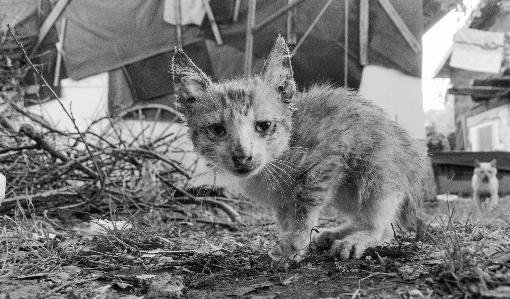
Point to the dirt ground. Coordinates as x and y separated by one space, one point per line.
192 260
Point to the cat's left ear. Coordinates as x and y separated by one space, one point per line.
277 70
190 83
493 163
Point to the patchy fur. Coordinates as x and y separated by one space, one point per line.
485 183
299 151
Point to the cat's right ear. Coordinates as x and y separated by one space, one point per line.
477 163
190 84
277 70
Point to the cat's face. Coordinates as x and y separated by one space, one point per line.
240 125
485 170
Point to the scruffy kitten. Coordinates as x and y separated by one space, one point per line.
485 183
298 151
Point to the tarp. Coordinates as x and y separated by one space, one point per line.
105 35
24 17
321 55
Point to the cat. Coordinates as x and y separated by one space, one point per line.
485 183
298 151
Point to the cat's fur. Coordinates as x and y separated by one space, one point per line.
485 183
299 151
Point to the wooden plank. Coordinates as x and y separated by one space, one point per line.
467 158
455 179
48 23
346 42
278 13
237 7
250 24
363 32
307 32
401 26
464 132
60 51
178 28
212 21
291 25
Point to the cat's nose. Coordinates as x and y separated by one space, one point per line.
241 160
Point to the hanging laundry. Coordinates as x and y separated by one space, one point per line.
192 12
478 50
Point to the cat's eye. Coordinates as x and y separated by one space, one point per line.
262 126
216 130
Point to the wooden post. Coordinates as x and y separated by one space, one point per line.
278 13
305 35
60 48
212 21
363 32
250 25
48 23
236 10
291 25
464 133
401 26
346 42
178 21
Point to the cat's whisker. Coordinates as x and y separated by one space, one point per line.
281 178
277 185
274 174
267 178
288 164
284 172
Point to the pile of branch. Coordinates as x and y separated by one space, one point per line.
41 162
48 169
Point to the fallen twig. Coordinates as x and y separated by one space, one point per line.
218 223
20 45
39 139
61 191
210 202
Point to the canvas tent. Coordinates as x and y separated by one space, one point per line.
131 41
102 36
25 18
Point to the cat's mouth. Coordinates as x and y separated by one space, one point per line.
245 171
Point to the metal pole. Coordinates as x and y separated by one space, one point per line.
291 25
346 42
278 13
236 10
323 10
250 24
178 21
363 32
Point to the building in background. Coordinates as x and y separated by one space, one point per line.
477 65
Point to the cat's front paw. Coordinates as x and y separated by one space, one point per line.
345 244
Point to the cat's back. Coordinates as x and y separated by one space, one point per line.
332 116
